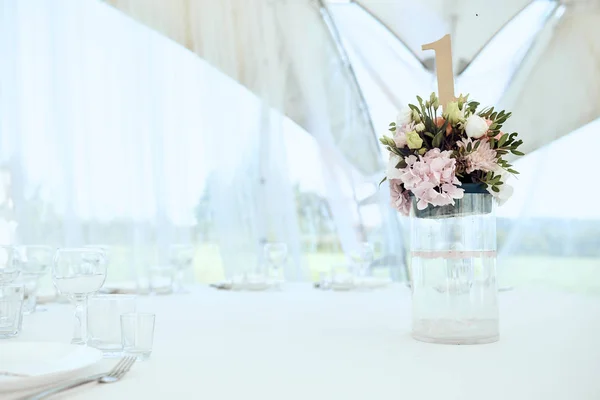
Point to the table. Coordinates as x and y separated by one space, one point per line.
302 343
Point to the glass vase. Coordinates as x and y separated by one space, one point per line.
453 265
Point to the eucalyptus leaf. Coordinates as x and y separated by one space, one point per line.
503 140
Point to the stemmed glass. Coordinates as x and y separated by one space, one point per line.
181 258
9 265
77 273
35 261
275 255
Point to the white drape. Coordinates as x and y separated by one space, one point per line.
543 236
112 134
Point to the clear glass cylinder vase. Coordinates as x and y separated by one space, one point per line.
453 271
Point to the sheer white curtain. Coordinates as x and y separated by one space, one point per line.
543 237
284 52
112 134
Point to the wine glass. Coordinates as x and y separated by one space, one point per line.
9 265
181 258
275 255
77 273
35 261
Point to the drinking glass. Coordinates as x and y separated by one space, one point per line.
11 304
104 321
9 264
77 273
137 334
363 257
275 255
181 257
161 279
35 261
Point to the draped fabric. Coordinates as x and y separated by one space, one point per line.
112 134
542 237
226 124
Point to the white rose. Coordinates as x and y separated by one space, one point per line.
503 195
404 117
393 172
476 127
420 127
506 190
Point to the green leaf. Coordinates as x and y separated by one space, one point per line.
503 140
394 150
437 140
517 152
495 189
401 164
477 143
420 101
414 108
392 129
512 171
469 147
383 180
392 124
429 134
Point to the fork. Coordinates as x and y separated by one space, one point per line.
112 376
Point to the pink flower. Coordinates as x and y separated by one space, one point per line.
400 197
431 178
482 159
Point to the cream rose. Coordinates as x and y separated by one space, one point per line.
453 114
476 126
413 140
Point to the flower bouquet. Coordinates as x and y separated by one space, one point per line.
437 156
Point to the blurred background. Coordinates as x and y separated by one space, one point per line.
139 124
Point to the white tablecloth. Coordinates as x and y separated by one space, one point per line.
303 343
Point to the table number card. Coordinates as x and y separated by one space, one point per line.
443 66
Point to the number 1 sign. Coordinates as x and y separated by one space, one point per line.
443 66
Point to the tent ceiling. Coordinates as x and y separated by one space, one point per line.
294 69
472 23
542 81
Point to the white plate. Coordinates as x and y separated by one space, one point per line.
43 362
